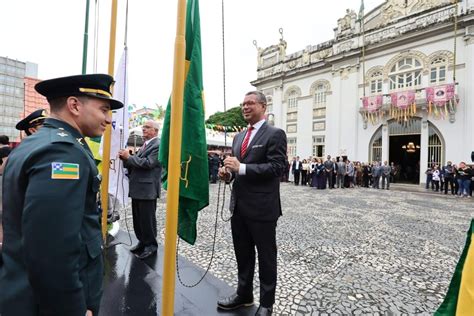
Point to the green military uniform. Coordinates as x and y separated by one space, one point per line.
52 232
52 263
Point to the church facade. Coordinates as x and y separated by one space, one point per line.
395 84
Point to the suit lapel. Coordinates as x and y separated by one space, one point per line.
147 148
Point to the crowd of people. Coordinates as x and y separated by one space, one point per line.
343 173
458 178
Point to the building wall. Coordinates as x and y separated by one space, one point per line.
342 64
17 95
12 97
33 100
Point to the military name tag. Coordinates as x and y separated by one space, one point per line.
64 170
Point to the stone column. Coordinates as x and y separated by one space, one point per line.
424 149
333 118
385 142
468 95
278 109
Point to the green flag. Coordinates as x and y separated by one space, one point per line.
459 299
194 180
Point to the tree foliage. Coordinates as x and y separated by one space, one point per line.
231 117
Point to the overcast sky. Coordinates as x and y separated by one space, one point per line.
50 34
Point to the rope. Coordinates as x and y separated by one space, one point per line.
220 181
96 34
120 168
363 52
213 251
455 38
126 26
223 68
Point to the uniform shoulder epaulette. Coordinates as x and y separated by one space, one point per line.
59 135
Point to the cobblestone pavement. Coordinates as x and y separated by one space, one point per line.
348 251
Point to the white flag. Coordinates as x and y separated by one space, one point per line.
118 181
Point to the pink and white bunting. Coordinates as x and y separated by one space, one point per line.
372 103
441 100
440 95
403 100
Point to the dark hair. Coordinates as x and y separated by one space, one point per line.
260 96
4 140
57 104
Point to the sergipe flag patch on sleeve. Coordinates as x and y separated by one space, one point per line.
64 170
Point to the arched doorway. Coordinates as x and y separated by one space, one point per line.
375 146
404 149
435 147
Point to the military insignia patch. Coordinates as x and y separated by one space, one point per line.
64 170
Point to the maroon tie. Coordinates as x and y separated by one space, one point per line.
245 144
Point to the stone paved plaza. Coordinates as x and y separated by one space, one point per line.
348 251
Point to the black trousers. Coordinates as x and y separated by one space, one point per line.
451 185
144 221
246 235
297 177
330 179
304 179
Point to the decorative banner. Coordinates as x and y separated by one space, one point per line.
372 107
439 98
403 105
372 103
440 95
403 100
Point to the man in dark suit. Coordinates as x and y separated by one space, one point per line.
144 172
257 162
296 169
330 169
214 164
52 262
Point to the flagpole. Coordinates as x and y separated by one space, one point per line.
86 39
362 24
174 158
104 187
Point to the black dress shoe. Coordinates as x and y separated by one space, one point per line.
148 251
264 311
234 301
137 248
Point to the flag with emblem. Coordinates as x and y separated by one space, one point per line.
194 183
63 170
459 299
118 181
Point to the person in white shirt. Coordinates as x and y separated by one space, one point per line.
436 178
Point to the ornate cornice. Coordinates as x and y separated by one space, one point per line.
421 16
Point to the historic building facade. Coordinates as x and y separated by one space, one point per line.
397 85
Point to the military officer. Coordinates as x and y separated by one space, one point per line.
32 122
52 263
